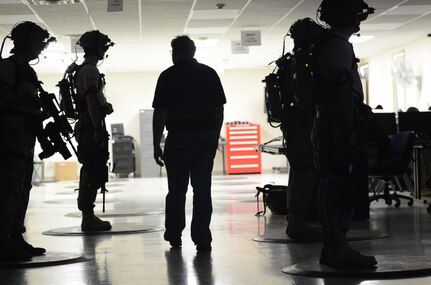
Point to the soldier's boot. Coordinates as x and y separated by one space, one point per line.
9 252
338 254
92 223
297 228
18 240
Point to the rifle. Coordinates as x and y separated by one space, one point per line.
105 147
51 138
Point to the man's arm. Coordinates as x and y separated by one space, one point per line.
335 65
219 118
91 86
94 107
159 122
344 105
7 72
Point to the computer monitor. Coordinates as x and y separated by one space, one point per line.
388 122
117 130
418 122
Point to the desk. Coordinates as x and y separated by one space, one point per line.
275 149
221 147
416 171
417 159
270 148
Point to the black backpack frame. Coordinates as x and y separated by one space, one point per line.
291 85
69 100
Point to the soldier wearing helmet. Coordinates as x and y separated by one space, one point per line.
20 118
338 134
90 129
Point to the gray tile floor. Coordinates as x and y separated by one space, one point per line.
145 258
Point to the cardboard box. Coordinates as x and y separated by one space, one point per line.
66 171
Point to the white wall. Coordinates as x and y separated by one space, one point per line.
130 92
381 85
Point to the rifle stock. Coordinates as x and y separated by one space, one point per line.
52 137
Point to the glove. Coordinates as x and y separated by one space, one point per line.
107 109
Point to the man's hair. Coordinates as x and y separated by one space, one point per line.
183 45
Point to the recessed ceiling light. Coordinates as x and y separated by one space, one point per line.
206 30
214 14
206 43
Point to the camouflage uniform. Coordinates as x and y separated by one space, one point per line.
91 154
17 141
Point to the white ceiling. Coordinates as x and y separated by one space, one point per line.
143 30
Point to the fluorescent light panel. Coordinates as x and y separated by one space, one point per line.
51 2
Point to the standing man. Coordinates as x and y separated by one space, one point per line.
189 101
90 129
338 134
20 119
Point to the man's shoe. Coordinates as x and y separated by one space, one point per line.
94 224
302 231
19 241
203 247
339 255
175 244
11 253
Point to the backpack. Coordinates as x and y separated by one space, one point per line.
274 197
69 99
290 85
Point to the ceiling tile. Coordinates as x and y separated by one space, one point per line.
410 10
12 19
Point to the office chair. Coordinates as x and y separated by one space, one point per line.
387 176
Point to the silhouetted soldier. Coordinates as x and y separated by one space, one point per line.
90 129
189 101
338 134
20 119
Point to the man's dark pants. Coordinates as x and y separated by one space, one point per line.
189 156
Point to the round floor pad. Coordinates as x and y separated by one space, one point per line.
76 192
352 235
48 259
388 266
115 214
216 178
232 201
234 183
117 228
72 201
